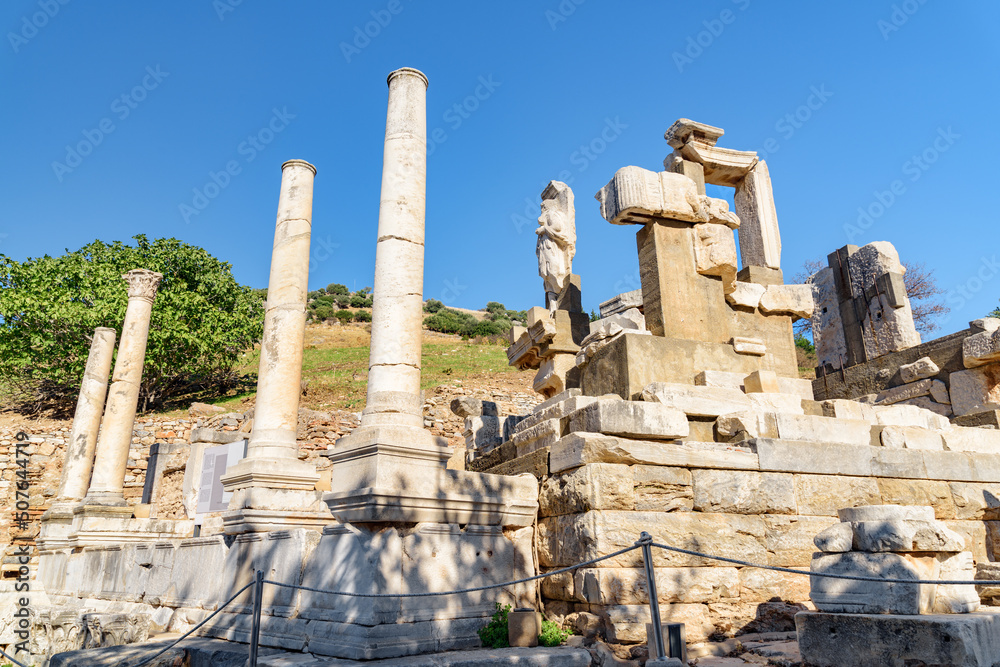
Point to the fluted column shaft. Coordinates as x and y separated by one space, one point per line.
397 310
80 451
108 482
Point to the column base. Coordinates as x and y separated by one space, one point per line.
397 474
105 499
271 473
102 525
56 526
247 520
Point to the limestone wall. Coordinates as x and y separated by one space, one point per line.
610 469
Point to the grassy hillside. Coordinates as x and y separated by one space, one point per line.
335 366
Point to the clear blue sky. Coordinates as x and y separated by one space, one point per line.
566 90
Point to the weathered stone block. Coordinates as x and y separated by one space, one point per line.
845 409
578 448
838 538
924 367
811 457
903 392
964 439
789 539
627 623
662 488
911 437
981 348
919 492
974 390
743 492
975 501
745 295
630 419
794 300
595 486
570 539
825 495
696 401
761 382
836 640
866 597
615 586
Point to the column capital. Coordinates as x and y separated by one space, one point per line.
142 283
410 71
299 163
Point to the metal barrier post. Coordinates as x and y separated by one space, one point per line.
646 542
258 604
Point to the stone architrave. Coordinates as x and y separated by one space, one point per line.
556 240
760 240
82 444
272 478
108 481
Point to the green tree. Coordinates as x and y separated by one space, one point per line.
336 289
362 316
344 316
323 313
433 306
358 301
202 323
495 307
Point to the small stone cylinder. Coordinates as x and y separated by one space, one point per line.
87 418
397 310
107 485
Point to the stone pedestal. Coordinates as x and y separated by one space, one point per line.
271 486
862 640
57 521
107 484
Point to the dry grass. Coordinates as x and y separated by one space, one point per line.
335 366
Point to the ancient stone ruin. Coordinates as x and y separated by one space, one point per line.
680 413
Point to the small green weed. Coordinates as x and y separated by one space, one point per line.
552 634
494 634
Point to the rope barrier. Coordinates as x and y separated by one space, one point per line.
645 540
19 664
827 575
188 633
463 590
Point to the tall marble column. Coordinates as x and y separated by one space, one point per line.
108 481
80 451
381 469
397 309
272 477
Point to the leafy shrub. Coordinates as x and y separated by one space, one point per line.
362 316
447 320
322 313
336 288
494 634
433 306
495 307
804 344
358 301
552 634
202 322
344 316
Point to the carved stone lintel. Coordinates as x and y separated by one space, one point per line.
142 283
